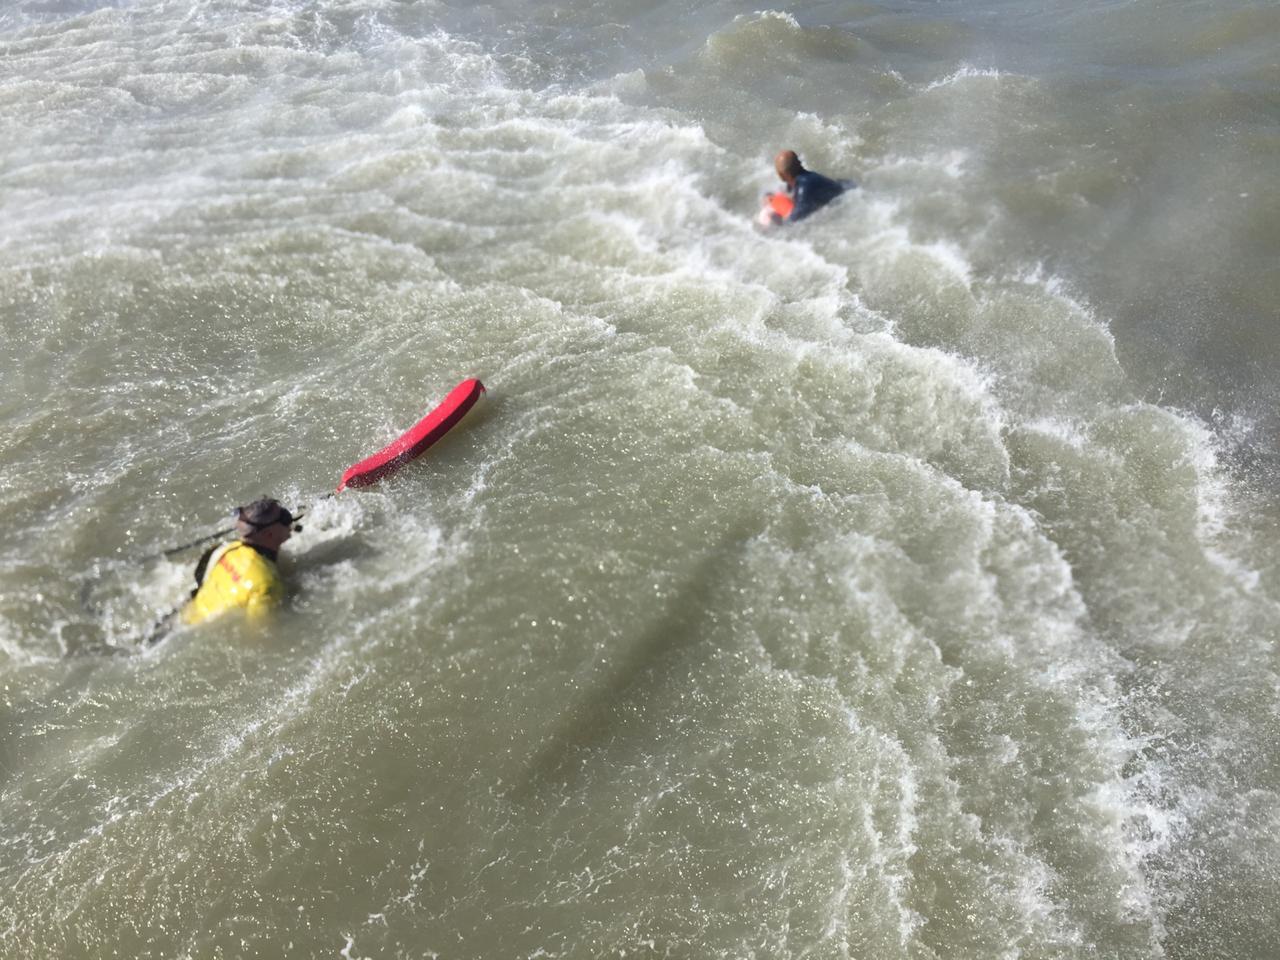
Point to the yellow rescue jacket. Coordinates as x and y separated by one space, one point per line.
237 577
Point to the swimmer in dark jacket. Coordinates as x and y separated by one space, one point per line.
807 189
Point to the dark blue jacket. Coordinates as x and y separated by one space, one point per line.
813 190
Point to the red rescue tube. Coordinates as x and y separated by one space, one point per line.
414 441
781 203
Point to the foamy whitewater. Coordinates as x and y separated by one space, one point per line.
902 583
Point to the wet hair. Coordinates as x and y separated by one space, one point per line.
786 162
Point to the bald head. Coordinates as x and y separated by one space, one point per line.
788 166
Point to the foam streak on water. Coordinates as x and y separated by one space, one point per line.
898 585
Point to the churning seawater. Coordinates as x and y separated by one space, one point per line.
903 584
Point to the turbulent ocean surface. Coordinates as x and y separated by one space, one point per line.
899 584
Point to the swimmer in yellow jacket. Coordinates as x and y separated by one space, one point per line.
242 574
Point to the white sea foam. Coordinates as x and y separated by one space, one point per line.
657 366
951 164
966 72
779 15
1216 506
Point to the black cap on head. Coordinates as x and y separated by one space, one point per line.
261 514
